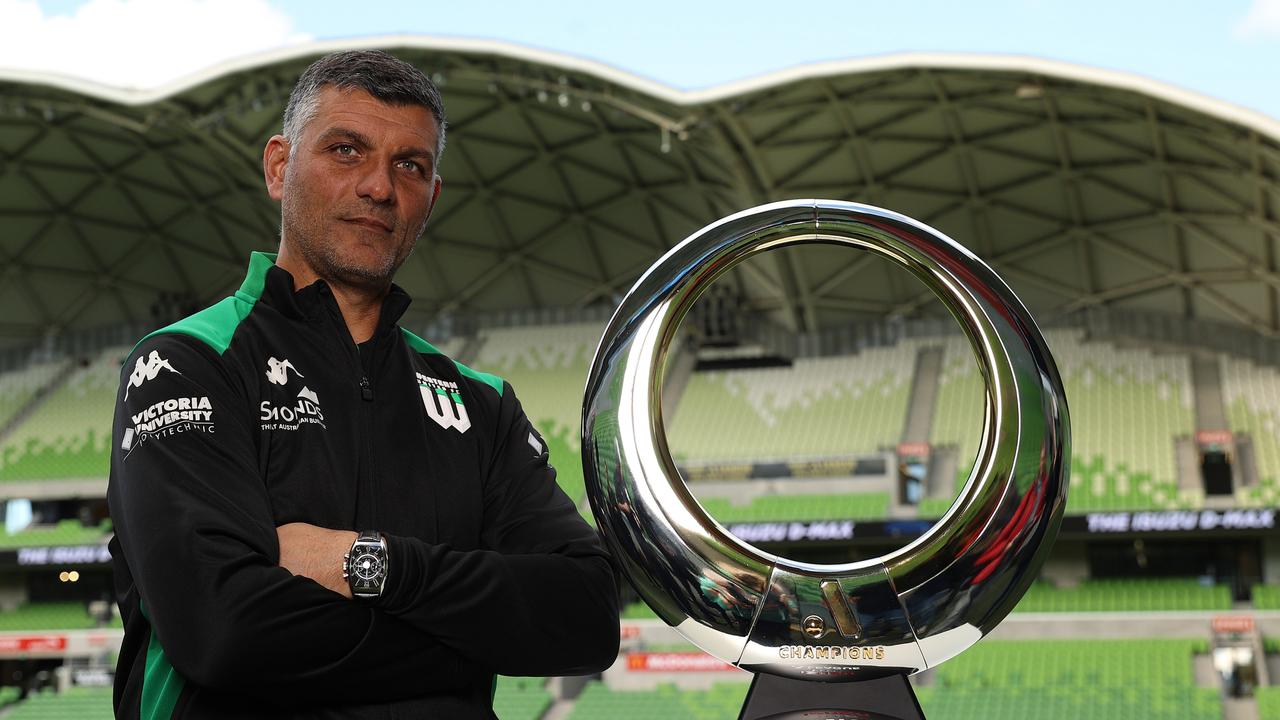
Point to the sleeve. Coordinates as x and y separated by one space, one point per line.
543 575
193 519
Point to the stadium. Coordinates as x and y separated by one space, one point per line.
820 403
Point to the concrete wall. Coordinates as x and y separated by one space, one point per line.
1067 565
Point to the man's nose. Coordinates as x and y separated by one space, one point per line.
377 183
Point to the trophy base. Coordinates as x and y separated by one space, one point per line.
772 697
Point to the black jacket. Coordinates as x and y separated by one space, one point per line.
260 411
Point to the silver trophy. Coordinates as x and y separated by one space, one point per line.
833 638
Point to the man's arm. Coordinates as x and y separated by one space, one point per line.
544 578
194 521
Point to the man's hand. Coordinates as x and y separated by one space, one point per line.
316 553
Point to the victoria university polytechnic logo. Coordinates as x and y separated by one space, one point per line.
164 417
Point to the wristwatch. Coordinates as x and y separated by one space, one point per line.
365 566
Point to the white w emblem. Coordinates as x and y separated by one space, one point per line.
443 404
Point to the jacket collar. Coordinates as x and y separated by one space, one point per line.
273 285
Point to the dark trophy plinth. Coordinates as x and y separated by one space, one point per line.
773 697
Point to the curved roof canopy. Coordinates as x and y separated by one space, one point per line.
565 179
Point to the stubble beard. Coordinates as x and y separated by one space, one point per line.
306 234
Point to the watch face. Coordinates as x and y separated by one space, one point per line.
366 567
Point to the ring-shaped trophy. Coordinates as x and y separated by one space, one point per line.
838 639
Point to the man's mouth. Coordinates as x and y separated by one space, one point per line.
369 222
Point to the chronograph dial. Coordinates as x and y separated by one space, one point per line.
365 566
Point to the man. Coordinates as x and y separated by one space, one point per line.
292 433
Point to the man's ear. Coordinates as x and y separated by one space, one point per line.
275 159
435 195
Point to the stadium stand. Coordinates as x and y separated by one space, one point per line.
48 616
65 532
1268 702
1266 597
1069 703
521 698
1251 396
1127 406
818 407
1060 679
548 366
1127 596
8 696
19 387
598 702
450 347
932 507
957 411
1095 596
68 434
638 611
70 704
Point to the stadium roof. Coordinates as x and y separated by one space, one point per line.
565 178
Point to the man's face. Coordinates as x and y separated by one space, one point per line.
358 188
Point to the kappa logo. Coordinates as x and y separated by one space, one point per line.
147 369
278 374
444 403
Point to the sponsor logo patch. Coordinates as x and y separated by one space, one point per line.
443 403
147 369
168 417
278 371
305 410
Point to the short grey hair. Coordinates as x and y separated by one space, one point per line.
382 75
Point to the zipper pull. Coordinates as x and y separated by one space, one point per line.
366 391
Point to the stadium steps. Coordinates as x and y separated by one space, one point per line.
1206 380
1251 394
924 395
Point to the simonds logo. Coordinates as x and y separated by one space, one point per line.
305 410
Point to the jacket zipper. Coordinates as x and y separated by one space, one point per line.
365 495
366 407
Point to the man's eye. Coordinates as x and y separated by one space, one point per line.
345 150
410 165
